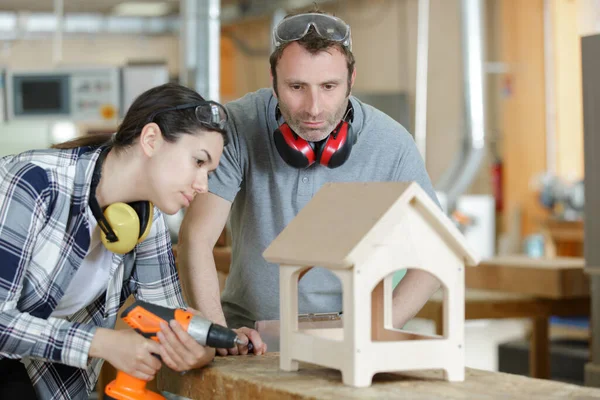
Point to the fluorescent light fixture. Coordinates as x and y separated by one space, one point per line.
142 9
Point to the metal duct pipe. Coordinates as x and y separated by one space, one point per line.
278 16
200 38
422 70
200 44
465 166
32 25
59 13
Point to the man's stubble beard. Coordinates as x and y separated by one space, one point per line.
313 135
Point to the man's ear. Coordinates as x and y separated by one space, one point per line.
150 139
272 83
352 79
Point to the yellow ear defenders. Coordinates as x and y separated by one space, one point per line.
122 225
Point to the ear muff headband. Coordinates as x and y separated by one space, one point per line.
145 211
122 225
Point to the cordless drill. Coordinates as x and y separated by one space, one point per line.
145 318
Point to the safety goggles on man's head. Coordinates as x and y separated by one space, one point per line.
326 26
210 114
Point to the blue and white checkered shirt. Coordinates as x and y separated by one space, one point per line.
44 236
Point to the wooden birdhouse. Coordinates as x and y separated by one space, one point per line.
363 233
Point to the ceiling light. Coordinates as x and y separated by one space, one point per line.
142 9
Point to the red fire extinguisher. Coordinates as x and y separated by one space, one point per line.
496 177
497 184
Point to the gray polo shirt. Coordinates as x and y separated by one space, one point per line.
267 194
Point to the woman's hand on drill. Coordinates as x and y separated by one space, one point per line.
127 351
180 351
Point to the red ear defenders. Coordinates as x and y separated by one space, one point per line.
331 152
123 225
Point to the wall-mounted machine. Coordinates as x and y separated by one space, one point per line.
77 94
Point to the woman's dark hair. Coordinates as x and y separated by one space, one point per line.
150 104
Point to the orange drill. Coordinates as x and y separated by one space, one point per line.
145 318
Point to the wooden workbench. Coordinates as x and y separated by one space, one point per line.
481 304
551 278
259 377
522 287
563 238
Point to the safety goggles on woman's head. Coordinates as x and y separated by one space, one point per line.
326 26
210 114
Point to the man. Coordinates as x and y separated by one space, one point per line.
285 144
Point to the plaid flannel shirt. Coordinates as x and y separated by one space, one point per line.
44 236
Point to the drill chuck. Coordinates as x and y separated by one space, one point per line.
221 337
209 334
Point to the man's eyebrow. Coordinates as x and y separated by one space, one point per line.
294 81
332 81
299 82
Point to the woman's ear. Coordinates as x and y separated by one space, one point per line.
150 138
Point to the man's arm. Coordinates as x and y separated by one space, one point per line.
417 286
411 294
202 224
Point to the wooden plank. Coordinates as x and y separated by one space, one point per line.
539 353
523 108
259 377
227 68
564 238
524 262
496 305
549 278
566 231
568 88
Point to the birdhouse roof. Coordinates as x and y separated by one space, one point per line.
338 220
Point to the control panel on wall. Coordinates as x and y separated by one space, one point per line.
86 94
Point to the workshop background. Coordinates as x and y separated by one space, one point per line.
493 95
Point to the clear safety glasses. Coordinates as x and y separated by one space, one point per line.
326 26
210 114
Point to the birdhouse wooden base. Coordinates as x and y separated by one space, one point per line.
368 344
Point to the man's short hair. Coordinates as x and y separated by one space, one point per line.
313 43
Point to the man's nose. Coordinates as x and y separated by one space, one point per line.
313 103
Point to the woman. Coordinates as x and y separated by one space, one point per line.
79 234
